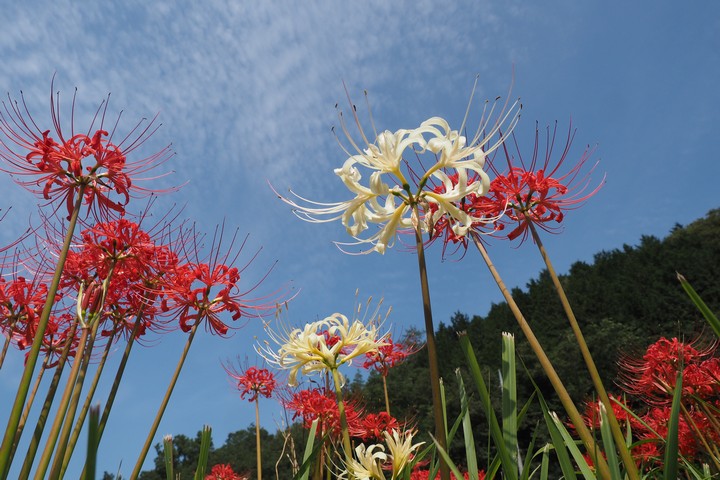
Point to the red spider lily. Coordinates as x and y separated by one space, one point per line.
320 404
592 413
651 380
538 192
653 376
253 382
200 291
223 471
60 166
21 305
56 337
371 426
487 208
658 419
534 192
118 244
118 267
389 355
190 295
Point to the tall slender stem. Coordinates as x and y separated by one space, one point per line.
31 361
387 399
547 366
343 418
31 400
628 461
257 438
440 435
61 415
72 441
69 417
116 382
9 330
47 404
163 405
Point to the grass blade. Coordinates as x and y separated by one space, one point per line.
92 449
310 453
469 440
572 447
509 467
671 444
609 443
704 309
558 443
509 396
168 450
446 457
205 443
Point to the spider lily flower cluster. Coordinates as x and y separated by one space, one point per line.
59 165
648 383
224 472
373 462
538 192
253 382
93 281
399 181
322 346
391 354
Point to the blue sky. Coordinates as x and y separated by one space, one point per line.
246 92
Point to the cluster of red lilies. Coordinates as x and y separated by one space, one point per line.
76 285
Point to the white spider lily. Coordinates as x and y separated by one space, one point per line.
367 464
388 199
321 346
400 449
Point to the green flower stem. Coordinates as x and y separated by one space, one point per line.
67 426
92 442
438 415
30 401
118 377
92 319
628 461
552 375
7 341
44 413
387 399
63 407
32 358
163 405
257 438
343 419
86 406
28 406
